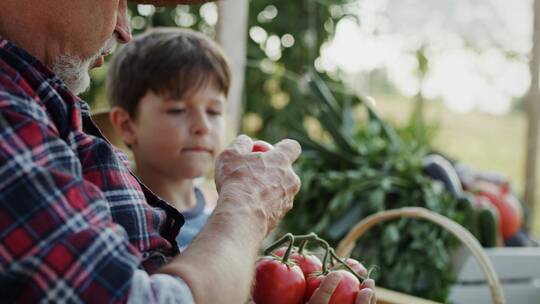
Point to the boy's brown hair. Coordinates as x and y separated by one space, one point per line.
170 62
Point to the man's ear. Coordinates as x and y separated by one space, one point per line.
123 124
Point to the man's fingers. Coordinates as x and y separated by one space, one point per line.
242 144
369 283
357 267
364 296
291 149
323 294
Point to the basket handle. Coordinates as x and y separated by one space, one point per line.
348 243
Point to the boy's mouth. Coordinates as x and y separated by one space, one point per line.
197 149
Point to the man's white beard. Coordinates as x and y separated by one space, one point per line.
74 71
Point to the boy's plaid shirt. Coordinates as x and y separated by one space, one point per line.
75 224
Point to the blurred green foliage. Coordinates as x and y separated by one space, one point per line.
283 36
354 167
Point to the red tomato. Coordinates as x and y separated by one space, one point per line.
307 262
276 282
355 265
260 147
345 293
510 211
313 281
504 188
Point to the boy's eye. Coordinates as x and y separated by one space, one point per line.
176 111
213 112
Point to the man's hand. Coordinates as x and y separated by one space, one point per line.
256 189
323 294
262 183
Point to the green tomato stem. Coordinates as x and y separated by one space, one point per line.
306 237
302 246
277 243
284 239
359 277
325 258
287 253
334 256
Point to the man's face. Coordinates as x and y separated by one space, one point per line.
86 31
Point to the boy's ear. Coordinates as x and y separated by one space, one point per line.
123 124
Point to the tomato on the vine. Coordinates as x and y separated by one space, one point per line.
354 265
307 262
313 281
288 274
260 147
278 282
345 292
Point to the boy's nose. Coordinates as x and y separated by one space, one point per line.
200 125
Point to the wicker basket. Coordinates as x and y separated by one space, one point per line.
346 245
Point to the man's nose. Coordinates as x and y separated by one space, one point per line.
122 28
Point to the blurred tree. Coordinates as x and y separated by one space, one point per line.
285 38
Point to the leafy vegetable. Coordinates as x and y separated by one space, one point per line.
364 168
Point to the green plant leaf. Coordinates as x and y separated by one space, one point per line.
330 114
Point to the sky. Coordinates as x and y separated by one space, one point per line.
477 50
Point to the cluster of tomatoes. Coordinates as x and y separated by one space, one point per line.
290 275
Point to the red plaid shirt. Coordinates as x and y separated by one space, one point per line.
75 224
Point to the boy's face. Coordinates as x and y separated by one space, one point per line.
179 138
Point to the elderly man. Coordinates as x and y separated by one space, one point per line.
75 225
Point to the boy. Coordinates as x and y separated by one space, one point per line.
167 92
